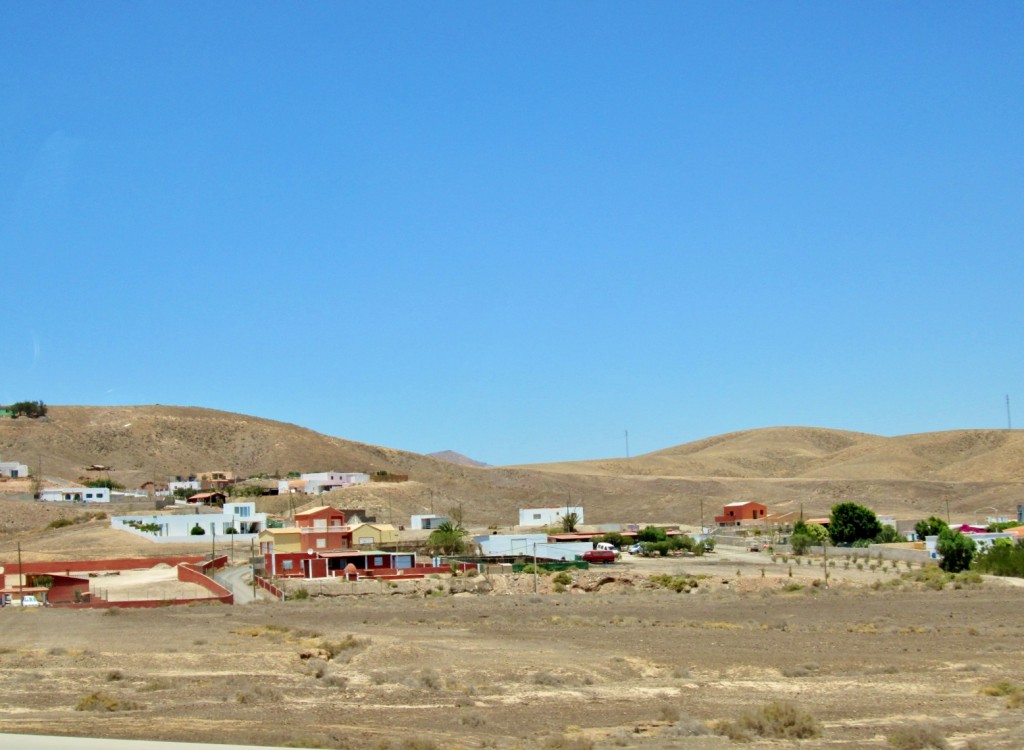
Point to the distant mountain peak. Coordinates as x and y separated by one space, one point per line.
456 458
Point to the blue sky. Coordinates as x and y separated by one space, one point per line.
517 230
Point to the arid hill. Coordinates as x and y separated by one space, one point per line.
977 472
454 457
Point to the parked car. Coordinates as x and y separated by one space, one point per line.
636 549
603 556
30 601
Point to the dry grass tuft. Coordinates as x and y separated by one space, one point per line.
100 701
774 720
917 737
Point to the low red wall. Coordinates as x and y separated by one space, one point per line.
194 574
85 566
263 583
63 589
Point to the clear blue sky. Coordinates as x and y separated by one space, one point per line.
517 230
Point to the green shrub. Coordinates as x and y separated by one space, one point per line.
562 578
197 530
60 523
652 534
300 593
678 584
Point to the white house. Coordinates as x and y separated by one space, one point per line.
13 469
548 516
185 485
76 495
427 521
323 481
241 517
526 545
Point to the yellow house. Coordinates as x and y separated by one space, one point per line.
373 534
280 540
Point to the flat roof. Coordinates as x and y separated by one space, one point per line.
360 553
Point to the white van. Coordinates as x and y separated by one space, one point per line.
607 546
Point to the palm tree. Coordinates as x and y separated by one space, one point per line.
569 521
448 539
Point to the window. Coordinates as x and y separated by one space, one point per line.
287 564
243 511
536 516
321 543
378 562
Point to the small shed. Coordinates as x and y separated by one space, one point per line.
549 516
427 521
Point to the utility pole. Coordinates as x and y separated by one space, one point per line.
535 568
824 552
627 443
20 575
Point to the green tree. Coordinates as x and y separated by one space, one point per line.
1002 558
957 551
850 522
931 526
569 521
800 543
31 409
817 532
614 537
651 534
109 483
888 535
448 539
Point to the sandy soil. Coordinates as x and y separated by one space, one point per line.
614 661
160 583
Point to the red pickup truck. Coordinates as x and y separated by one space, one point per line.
604 556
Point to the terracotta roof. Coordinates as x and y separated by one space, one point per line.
321 509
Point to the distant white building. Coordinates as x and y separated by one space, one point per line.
528 545
323 481
241 518
75 495
427 521
13 469
549 516
184 485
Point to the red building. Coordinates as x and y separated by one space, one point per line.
739 514
323 529
358 563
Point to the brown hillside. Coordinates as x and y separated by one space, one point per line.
785 467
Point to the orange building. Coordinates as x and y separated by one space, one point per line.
739 514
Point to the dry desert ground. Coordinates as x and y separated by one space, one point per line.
612 661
